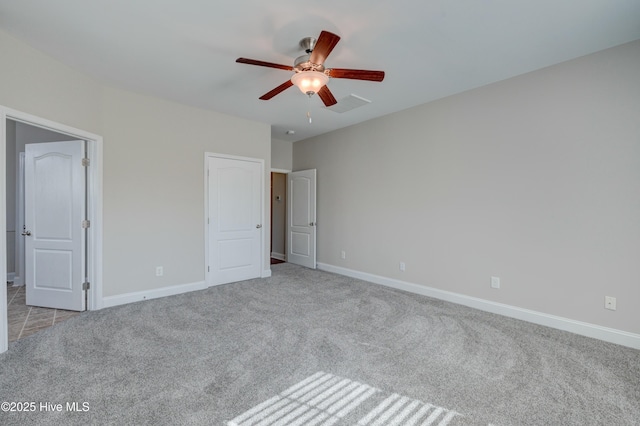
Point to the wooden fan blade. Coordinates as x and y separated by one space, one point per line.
284 86
264 64
326 96
356 74
325 44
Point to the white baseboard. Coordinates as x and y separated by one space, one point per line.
123 299
279 256
578 327
266 273
11 276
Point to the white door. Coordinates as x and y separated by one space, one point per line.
301 208
235 219
54 235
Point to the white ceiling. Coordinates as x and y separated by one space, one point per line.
185 50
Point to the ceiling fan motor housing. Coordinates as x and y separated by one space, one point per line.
302 63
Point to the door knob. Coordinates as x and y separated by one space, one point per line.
26 233
312 224
258 226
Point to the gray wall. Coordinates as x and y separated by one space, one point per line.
535 179
281 154
153 187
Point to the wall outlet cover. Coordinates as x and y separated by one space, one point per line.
495 282
610 303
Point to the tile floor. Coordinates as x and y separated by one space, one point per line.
25 320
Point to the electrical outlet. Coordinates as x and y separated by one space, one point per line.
403 267
495 282
159 271
343 254
610 303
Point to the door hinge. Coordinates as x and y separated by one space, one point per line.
85 162
86 224
86 285
208 268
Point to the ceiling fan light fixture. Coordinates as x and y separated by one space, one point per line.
309 82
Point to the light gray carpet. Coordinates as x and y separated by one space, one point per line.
307 346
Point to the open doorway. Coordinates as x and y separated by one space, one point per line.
293 217
26 315
91 145
278 217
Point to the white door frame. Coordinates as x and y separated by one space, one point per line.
94 206
207 155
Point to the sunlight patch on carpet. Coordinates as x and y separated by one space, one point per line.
325 399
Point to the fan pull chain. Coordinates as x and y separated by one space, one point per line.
309 108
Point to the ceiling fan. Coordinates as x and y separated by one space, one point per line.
311 76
